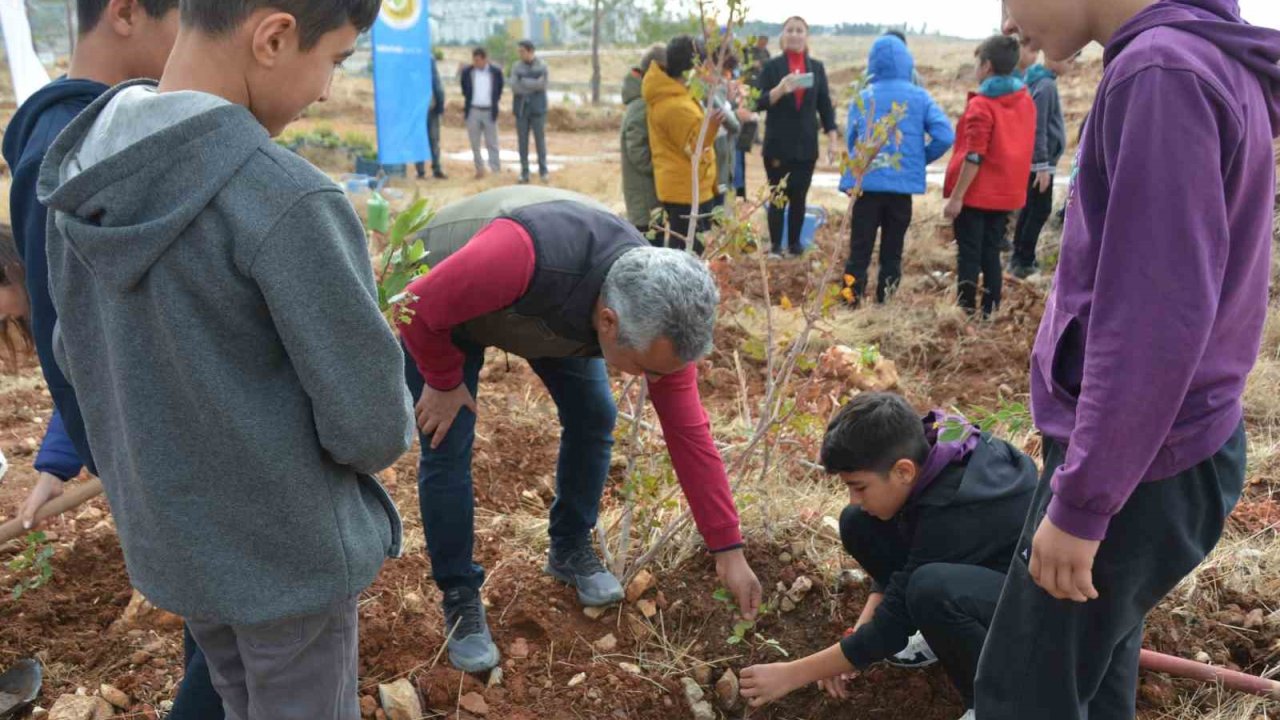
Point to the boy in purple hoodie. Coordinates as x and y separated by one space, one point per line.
1153 324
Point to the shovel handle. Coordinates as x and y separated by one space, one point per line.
74 497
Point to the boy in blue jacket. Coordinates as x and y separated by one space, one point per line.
885 203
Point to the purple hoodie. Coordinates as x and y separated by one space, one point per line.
1156 315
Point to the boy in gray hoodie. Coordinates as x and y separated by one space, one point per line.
218 313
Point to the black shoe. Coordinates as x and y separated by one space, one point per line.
439 175
422 176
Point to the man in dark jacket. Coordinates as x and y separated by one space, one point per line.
935 511
529 85
434 115
558 279
481 92
104 56
1051 143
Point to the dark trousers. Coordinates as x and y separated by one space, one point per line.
740 173
1031 222
580 388
678 224
196 698
950 604
978 235
798 177
536 124
1059 660
433 137
886 214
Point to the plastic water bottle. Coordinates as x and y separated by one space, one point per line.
379 213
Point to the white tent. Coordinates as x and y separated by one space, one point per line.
28 73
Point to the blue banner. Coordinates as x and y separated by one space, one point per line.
402 81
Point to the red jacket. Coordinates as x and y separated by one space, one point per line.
1003 131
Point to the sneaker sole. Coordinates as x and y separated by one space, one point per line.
572 582
488 663
912 665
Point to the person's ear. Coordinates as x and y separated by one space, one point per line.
607 327
274 35
903 472
122 16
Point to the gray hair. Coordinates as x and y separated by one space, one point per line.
660 292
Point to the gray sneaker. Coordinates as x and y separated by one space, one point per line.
581 568
471 647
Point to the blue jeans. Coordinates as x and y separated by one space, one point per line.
196 698
580 388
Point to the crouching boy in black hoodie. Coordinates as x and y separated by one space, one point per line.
935 510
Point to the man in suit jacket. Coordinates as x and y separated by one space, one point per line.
481 90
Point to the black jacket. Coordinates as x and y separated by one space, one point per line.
971 515
497 88
791 135
437 89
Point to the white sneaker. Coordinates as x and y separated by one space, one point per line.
916 654
968 715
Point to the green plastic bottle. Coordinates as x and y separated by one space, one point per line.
379 213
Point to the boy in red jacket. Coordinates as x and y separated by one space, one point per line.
986 180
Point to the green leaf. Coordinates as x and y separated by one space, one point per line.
722 595
733 640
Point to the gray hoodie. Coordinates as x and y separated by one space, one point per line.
217 317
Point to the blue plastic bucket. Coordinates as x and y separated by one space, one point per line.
814 218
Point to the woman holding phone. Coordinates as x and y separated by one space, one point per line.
794 92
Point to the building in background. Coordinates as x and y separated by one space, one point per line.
467 22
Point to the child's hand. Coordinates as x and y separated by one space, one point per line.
837 687
1062 564
1044 181
763 684
955 206
47 488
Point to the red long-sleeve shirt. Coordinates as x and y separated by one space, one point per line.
491 273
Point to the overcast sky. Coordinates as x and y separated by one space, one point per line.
962 18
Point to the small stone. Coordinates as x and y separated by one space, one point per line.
850 578
781 587
800 588
787 604
1203 657
692 690
661 600
368 706
630 668
797 548
400 700
639 630
115 696
648 608
473 702
593 694
166 706
727 691
50 536
578 679
703 711
831 527
702 674
39 713
140 657
519 648
1254 619
80 707
639 585
414 604
606 644
595 613
495 677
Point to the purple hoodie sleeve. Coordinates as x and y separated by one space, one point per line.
1164 244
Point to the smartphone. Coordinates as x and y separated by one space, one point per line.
804 80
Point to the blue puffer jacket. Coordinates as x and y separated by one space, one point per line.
891 67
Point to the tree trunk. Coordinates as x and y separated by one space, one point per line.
595 53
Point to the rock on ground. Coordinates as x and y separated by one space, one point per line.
400 700
727 690
473 702
80 707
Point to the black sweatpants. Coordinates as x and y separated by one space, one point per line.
978 235
951 604
1060 660
678 224
798 176
889 215
1031 222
